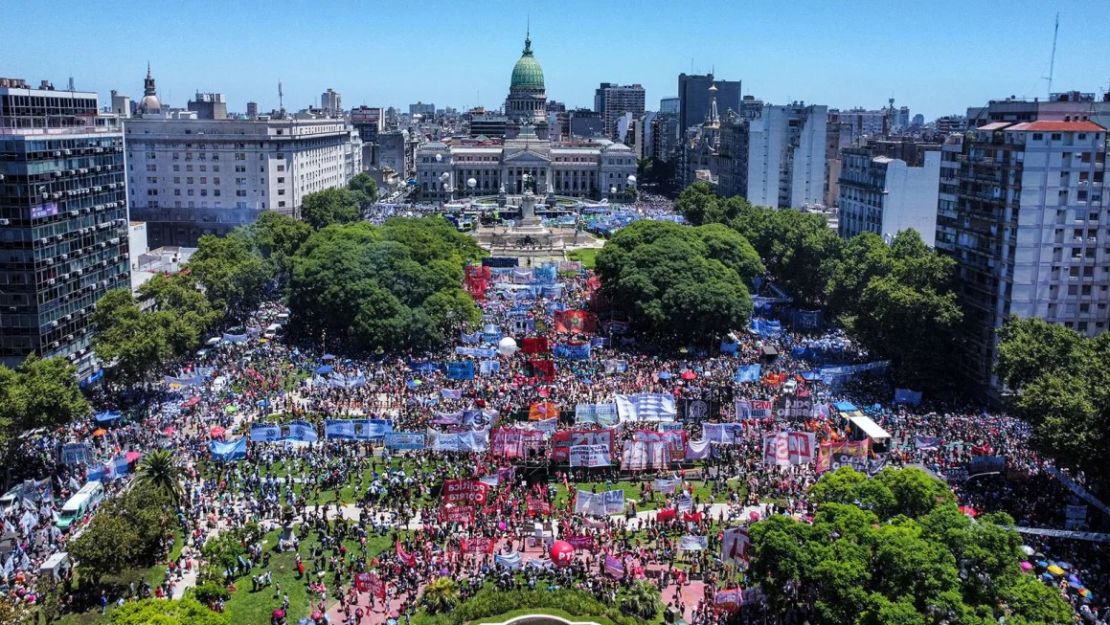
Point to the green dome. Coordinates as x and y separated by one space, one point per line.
527 73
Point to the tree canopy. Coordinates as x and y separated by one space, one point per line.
330 206
679 282
903 554
162 612
234 275
394 286
364 188
1061 382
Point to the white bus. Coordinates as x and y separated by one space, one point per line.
80 504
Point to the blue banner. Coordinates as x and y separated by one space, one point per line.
75 453
404 440
766 327
265 433
299 431
460 370
489 367
228 452
580 351
729 347
357 429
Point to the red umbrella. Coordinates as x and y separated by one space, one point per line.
279 613
216 432
969 511
688 375
316 615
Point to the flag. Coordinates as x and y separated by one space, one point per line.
734 545
693 543
540 411
575 321
511 561
406 558
614 566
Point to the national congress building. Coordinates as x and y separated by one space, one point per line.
461 166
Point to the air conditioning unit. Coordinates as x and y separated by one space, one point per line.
49 261
50 281
67 152
53 324
54 344
55 153
65 256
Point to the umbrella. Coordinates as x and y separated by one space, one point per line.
216 431
169 431
1046 576
1026 567
1027 550
99 432
969 511
1055 570
664 375
328 357
688 375
1064 565
1074 579
279 613
1042 563
316 615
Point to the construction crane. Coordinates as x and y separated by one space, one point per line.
1052 59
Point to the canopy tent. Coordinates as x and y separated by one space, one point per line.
846 406
873 430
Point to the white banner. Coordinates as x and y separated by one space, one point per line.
665 486
723 433
697 450
646 407
599 504
643 455
786 448
693 543
589 456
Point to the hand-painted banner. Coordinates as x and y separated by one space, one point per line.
572 351
697 450
696 410
734 545
563 440
404 440
464 492
787 448
575 321
728 600
589 456
604 415
599 504
674 439
646 407
583 543
540 411
927 443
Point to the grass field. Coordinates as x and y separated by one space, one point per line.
586 256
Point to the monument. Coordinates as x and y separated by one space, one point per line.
529 224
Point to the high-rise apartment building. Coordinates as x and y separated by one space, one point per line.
209 106
188 177
614 101
420 108
1022 209
331 101
669 106
695 100
776 159
887 195
63 220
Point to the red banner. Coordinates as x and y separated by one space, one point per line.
538 506
457 514
464 492
477 545
833 455
535 345
575 321
405 557
563 440
543 369
581 542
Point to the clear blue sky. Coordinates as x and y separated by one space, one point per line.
936 57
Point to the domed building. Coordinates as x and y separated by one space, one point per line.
527 101
150 104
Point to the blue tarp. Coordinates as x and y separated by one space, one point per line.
845 406
108 416
324 369
748 373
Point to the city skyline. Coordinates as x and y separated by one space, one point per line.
451 63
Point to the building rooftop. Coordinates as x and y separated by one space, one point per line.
1058 126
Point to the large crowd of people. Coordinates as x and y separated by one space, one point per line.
330 499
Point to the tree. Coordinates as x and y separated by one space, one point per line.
641 600
129 340
661 276
1061 384
126 531
163 612
364 189
40 393
912 559
159 472
330 206
277 238
442 595
234 277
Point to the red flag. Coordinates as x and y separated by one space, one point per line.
406 558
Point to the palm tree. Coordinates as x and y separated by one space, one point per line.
440 596
641 600
158 472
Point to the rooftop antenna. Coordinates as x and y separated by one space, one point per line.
1052 59
281 98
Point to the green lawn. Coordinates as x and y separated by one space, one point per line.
501 618
586 256
633 490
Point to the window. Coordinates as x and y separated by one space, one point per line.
152 167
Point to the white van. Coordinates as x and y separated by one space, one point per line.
80 504
272 331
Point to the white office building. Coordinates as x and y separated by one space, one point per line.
187 177
786 156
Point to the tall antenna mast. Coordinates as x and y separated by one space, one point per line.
281 96
1052 59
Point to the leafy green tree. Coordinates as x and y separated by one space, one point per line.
163 612
234 277
863 258
364 188
330 206
660 275
40 393
442 595
698 203
159 472
847 486
1061 384
277 238
129 340
732 249
796 248
641 600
